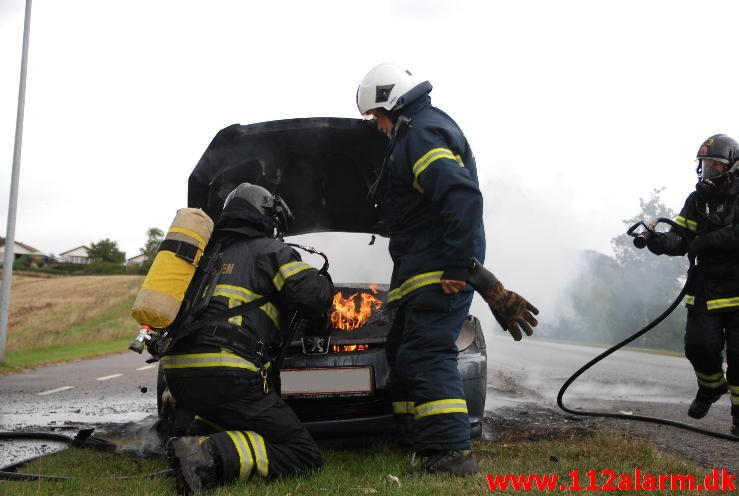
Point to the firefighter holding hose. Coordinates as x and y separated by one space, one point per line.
711 218
431 201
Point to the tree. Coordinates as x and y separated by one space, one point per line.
106 250
613 297
154 237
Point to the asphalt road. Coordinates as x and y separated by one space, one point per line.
521 375
112 390
528 375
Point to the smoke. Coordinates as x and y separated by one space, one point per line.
352 259
533 235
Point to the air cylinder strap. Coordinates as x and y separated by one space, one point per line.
182 249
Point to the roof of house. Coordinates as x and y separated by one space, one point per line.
77 248
28 248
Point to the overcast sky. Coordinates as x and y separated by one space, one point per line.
574 109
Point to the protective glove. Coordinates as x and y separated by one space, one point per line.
696 246
324 273
511 310
656 243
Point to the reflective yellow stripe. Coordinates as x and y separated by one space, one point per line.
192 234
215 426
689 300
200 360
260 452
428 158
709 377
722 303
455 405
288 270
236 319
710 380
403 407
691 225
413 284
246 463
734 395
245 295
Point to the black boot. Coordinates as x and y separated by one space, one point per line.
451 462
194 463
703 401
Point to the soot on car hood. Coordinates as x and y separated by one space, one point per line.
322 167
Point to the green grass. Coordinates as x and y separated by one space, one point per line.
364 471
17 361
115 322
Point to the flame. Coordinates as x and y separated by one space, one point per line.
350 313
348 348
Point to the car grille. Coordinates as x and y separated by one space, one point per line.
310 409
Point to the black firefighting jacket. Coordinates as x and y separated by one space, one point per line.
430 198
253 265
712 221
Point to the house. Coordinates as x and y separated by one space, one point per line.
137 260
77 255
21 249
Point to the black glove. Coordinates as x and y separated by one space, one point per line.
657 243
324 273
696 246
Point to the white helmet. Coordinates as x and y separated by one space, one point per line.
383 86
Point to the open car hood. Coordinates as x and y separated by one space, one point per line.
322 167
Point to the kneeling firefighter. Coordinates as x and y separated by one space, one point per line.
711 219
242 428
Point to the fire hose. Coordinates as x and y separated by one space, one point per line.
640 241
83 439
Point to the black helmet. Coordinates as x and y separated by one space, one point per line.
267 204
717 158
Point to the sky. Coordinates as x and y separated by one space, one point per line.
574 109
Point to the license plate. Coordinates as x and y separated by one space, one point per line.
336 381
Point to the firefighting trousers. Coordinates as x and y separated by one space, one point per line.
706 336
425 383
255 434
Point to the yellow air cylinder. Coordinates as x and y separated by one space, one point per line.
163 290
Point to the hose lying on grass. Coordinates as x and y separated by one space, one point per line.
83 439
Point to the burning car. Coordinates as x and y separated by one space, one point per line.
336 380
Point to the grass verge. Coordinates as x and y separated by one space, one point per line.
365 471
17 361
61 319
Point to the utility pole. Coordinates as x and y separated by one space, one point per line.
13 204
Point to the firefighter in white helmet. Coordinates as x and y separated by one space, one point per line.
431 201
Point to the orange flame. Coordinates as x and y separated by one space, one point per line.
347 316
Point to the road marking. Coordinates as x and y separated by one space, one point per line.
146 367
50 391
108 377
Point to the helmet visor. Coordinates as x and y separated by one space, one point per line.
712 168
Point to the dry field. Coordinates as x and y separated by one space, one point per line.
53 310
